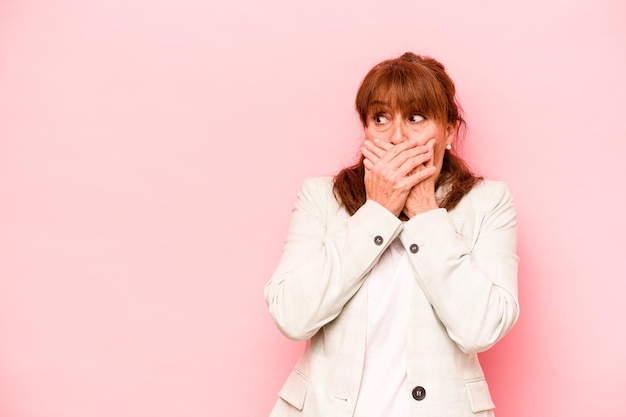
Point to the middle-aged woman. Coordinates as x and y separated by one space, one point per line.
401 268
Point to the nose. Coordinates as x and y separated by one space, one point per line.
399 134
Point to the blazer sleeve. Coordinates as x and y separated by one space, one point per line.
325 258
472 288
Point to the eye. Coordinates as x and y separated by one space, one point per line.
380 119
416 118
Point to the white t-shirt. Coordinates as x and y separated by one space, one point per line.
384 389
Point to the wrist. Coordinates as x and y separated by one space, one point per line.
415 209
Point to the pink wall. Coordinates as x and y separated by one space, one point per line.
150 153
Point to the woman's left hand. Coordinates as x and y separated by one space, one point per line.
421 198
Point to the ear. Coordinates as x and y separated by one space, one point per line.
451 132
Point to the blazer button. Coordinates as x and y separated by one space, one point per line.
414 248
378 240
419 393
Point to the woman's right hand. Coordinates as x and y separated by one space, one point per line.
391 171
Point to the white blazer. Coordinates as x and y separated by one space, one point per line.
464 299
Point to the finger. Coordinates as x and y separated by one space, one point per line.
421 174
417 177
370 151
409 170
376 150
369 155
419 155
417 162
391 151
403 152
431 147
382 144
416 151
412 159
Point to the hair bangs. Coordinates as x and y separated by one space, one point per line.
402 86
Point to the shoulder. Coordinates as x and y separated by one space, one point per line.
487 196
316 193
489 200
486 207
318 183
490 190
317 188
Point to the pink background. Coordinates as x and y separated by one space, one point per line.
150 153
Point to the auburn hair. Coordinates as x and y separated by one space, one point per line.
410 82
